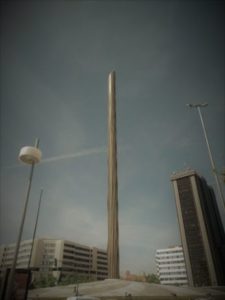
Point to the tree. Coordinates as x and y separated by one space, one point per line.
152 278
44 281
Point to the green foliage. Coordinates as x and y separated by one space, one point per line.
74 279
49 280
152 278
44 281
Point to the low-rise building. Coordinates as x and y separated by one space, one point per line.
171 266
58 258
134 277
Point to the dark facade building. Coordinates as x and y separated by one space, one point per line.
201 229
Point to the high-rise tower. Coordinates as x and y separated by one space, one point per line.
113 227
201 229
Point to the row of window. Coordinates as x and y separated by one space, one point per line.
47 263
68 257
102 273
168 252
102 257
171 270
102 263
169 256
70 246
75 258
21 264
10 253
75 264
22 245
7 259
172 279
181 265
6 265
66 263
171 262
103 268
82 266
172 273
76 253
101 252
82 254
77 247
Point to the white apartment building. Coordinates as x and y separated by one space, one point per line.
171 266
57 257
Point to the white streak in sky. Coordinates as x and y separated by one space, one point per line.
73 155
86 152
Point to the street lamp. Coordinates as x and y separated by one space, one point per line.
31 156
223 175
35 229
219 189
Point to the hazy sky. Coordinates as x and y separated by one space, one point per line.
55 60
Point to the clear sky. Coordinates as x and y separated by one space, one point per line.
55 60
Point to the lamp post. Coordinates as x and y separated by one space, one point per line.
34 233
219 189
31 156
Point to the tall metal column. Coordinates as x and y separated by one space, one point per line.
219 189
35 229
213 166
28 155
113 227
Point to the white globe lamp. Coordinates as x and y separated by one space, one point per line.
30 155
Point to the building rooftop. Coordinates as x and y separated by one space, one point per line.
170 248
181 174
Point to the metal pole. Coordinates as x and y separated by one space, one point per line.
10 284
219 189
35 229
112 201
